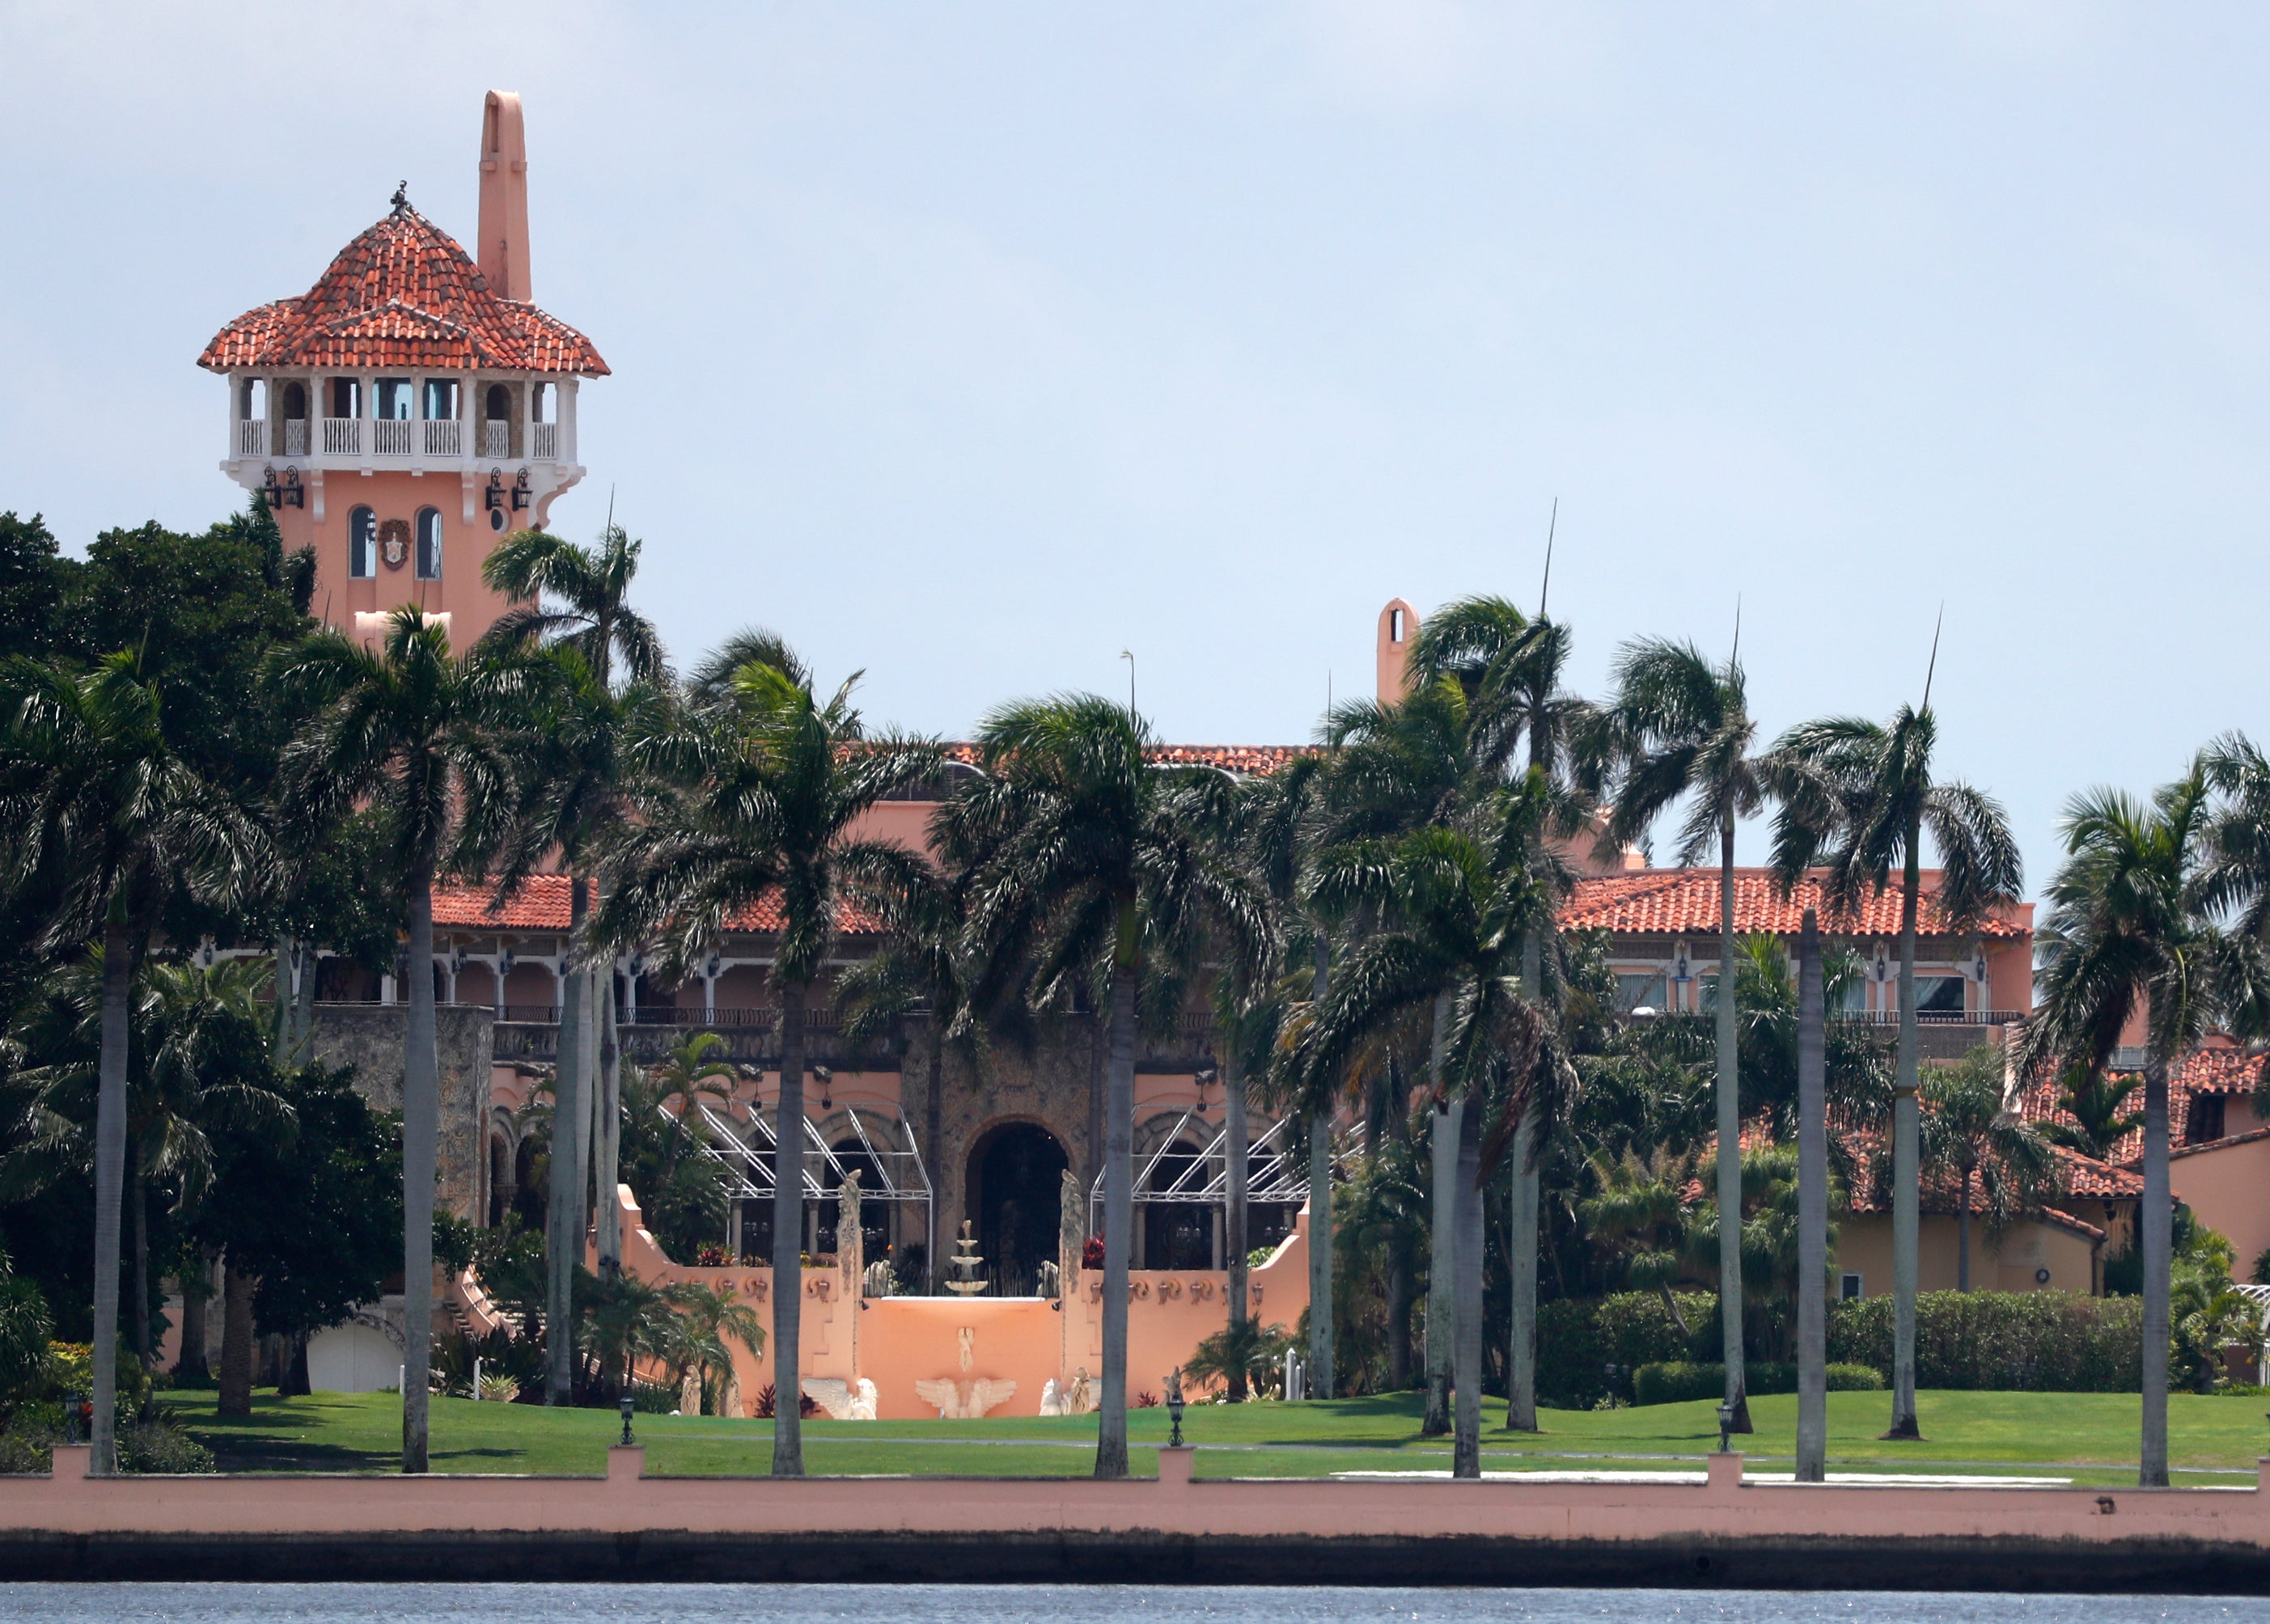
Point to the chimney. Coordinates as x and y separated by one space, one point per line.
1399 628
503 241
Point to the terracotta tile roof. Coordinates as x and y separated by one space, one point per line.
403 294
541 904
2079 1177
2216 1071
1685 903
1253 760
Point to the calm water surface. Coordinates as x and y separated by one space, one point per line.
919 1604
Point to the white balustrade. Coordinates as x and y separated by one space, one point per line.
445 437
544 441
390 436
295 436
342 436
252 438
496 438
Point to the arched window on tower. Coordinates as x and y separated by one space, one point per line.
496 421
430 544
362 543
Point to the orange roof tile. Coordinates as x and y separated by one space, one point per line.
541 904
1685 903
2211 1072
401 294
1253 760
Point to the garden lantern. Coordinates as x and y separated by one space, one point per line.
629 1404
1175 1408
1725 1426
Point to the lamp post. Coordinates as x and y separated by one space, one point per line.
1725 1428
629 1404
1175 1408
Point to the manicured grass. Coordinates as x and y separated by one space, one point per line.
2089 1436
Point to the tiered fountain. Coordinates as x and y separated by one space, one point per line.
965 1264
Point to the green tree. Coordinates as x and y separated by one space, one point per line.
2128 931
681 1192
430 741
30 587
1966 1128
2098 1102
759 784
1862 796
709 1317
99 813
1091 866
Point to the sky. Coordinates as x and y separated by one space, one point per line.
970 345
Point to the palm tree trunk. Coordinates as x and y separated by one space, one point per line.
1398 1321
421 1121
1523 1235
610 1134
1233 1218
2158 1225
933 1141
195 1285
1467 1363
1441 1264
303 1019
587 1127
788 1241
1729 1142
1906 1160
1962 1235
109 1188
235 1340
1118 1205
140 1199
563 1228
1812 1209
287 991
1320 1375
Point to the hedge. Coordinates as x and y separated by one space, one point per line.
2038 1341
1579 1337
1680 1383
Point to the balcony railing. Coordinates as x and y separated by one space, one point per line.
496 438
342 436
445 437
390 436
252 437
434 439
295 436
544 441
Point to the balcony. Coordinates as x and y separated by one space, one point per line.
496 439
252 438
531 1033
295 436
390 436
421 441
544 441
443 437
342 436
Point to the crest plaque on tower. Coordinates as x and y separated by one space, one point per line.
394 542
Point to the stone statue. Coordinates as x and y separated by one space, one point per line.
1051 1399
862 1407
1072 1228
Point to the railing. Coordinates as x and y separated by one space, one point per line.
342 436
390 436
295 436
252 437
756 1042
1944 1018
445 437
496 438
544 442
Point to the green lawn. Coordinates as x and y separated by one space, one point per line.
2089 1436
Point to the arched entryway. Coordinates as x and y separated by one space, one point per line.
1015 1201
1175 1235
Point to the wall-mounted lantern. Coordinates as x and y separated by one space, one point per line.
492 498
520 494
283 490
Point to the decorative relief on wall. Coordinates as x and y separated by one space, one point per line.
394 542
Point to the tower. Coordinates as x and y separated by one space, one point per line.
413 407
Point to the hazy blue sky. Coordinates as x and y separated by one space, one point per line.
971 344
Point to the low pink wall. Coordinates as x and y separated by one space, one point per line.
897 1341
627 1502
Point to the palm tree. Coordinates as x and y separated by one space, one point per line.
102 823
2128 932
1637 1210
757 788
430 740
577 597
1463 902
1863 795
2098 1102
1090 866
708 1315
1968 1126
1679 728
1511 669
630 1319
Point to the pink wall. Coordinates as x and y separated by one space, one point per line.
2228 1187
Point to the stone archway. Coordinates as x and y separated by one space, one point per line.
1015 1197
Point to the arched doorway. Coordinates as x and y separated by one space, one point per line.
1015 1199
1177 1234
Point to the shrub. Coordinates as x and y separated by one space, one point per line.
1578 1339
2040 1342
159 1446
767 1405
1682 1382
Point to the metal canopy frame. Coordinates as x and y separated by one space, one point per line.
1272 1176
748 1159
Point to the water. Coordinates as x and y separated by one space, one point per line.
923 1604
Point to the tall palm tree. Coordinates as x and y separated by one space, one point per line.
1679 729
2129 932
430 739
754 791
1511 669
578 598
1091 866
102 823
1463 902
1968 1126
1862 796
